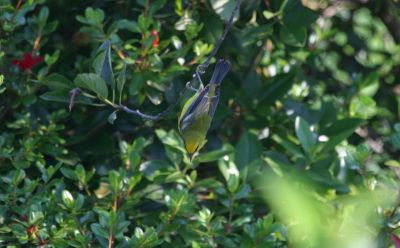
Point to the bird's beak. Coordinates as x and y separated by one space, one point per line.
191 156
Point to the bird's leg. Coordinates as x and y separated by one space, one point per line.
199 78
189 84
190 87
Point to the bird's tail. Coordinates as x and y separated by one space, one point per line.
221 69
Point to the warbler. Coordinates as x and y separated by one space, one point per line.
197 113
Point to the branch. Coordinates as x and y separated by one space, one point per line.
146 116
196 76
201 68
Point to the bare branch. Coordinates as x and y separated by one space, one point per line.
72 94
201 68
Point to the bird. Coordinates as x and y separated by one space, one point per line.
198 111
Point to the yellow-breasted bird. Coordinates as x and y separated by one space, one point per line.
197 113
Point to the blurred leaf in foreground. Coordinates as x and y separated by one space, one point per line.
334 222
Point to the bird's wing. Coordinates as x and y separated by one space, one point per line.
214 102
198 101
198 107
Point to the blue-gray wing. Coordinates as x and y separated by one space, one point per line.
197 101
199 106
214 102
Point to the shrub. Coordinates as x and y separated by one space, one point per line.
302 152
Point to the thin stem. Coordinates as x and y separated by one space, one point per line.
201 68
230 215
113 96
78 224
111 228
18 4
146 116
110 240
36 44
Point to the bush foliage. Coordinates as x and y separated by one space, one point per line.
302 152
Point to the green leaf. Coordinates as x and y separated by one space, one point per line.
303 132
116 181
63 96
42 18
175 176
179 201
56 81
276 88
148 238
112 117
296 20
370 85
392 163
154 96
213 156
183 23
171 139
339 131
80 200
68 199
19 16
224 9
363 106
144 23
92 82
99 230
51 59
277 161
134 151
248 149
156 5
19 175
269 14
178 7
128 25
152 168
289 146
295 37
68 173
254 89
96 16
192 30
93 17
102 63
133 181
230 173
200 48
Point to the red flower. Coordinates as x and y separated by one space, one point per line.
156 38
396 241
27 62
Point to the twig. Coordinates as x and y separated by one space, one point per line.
201 68
228 226
146 116
196 76
18 4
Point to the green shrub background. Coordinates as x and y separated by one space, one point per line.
303 150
